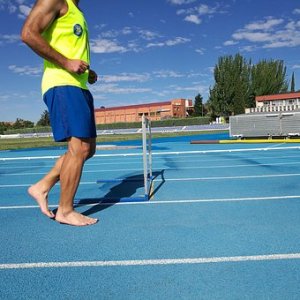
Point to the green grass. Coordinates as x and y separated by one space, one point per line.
25 143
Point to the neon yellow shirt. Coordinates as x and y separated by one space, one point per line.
69 36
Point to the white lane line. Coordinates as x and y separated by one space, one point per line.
161 153
153 202
178 179
178 168
151 262
183 158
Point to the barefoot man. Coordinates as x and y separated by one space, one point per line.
57 31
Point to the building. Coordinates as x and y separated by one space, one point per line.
276 103
274 116
176 108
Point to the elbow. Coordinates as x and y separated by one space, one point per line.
26 36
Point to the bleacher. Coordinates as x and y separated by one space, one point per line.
280 124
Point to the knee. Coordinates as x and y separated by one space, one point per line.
82 150
91 152
87 151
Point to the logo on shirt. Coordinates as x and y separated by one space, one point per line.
77 29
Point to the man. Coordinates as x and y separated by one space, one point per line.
56 30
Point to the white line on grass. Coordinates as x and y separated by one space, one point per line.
151 262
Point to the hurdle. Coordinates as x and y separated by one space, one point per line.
147 166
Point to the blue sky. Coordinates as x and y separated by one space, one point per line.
149 51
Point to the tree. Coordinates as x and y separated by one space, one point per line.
198 106
44 120
4 126
230 92
268 78
20 123
293 83
238 82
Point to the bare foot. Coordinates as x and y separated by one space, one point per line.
74 218
42 200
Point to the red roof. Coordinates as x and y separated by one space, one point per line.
284 96
134 106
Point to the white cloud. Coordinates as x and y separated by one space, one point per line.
24 11
200 51
26 70
264 25
268 33
15 6
296 67
230 43
193 14
167 74
116 89
114 33
8 5
106 46
125 77
9 38
148 34
169 43
249 48
204 9
193 19
252 36
296 11
181 2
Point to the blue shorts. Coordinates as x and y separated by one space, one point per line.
71 111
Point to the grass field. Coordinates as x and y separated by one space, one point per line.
25 143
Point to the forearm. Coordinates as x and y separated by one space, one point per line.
43 49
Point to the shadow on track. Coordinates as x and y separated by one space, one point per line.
121 192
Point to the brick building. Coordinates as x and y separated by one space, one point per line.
176 108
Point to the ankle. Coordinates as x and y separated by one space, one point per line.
64 211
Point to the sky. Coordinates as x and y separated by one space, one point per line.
151 50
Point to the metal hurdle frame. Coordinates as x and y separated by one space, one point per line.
147 155
147 165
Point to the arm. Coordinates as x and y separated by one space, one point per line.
41 16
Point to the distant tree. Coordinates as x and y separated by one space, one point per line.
4 126
267 78
44 120
20 123
198 106
230 93
293 83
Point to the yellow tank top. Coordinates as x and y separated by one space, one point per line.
69 36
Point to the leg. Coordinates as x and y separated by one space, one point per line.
41 189
79 150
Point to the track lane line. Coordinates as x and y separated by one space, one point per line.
152 262
160 202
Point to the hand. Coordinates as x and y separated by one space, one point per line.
77 66
92 77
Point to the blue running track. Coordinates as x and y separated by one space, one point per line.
223 222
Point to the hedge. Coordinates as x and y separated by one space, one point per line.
162 123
